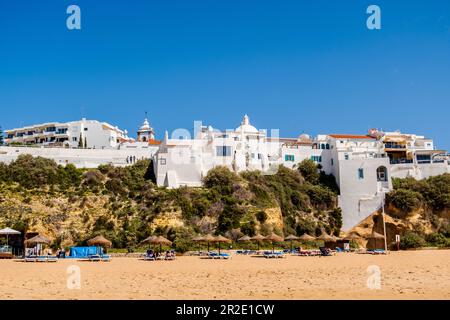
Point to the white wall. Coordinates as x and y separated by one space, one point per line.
81 158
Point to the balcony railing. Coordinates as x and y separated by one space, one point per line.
400 161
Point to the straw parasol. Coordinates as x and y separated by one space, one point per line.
158 240
291 238
198 239
376 236
99 241
258 238
221 239
274 238
208 239
39 239
307 237
7 232
245 239
325 237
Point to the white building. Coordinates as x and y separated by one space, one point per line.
90 134
102 143
362 165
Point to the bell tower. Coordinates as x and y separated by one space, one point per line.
145 132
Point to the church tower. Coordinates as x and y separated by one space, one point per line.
145 132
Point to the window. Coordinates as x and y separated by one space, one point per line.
260 156
74 139
85 129
361 173
223 151
162 161
316 158
332 161
327 146
346 156
289 157
381 174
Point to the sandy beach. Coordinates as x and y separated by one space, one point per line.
404 275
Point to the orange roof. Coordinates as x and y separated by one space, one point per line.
351 136
154 142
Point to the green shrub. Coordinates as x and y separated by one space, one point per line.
404 199
436 239
412 240
309 171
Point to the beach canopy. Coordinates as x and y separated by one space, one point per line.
9 231
274 238
258 238
220 239
245 239
325 237
291 238
198 239
208 239
37 240
158 240
307 237
99 241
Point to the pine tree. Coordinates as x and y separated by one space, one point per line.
85 143
1 136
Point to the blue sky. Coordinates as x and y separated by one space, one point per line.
301 66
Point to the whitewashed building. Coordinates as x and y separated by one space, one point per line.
362 165
90 134
101 143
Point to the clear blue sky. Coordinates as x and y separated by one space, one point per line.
301 66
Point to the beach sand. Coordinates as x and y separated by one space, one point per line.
404 275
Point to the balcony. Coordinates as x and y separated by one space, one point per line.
401 161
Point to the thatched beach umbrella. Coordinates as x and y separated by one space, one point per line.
159 240
99 241
274 238
198 239
306 237
39 239
221 239
258 238
376 236
325 237
245 239
208 239
291 238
